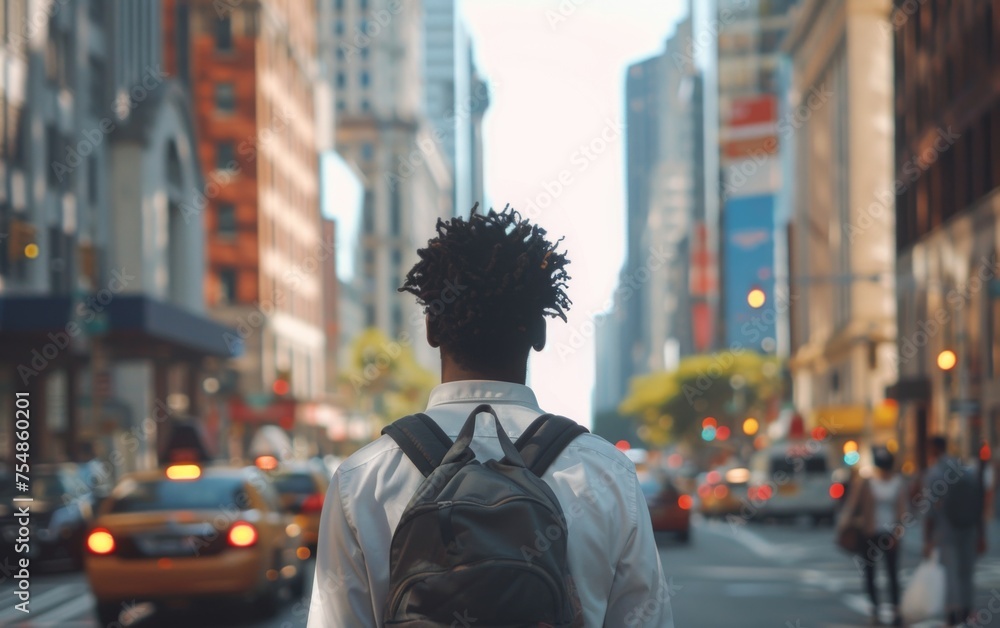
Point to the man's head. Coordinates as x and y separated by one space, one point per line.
937 446
487 284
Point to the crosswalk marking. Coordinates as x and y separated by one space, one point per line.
58 616
42 602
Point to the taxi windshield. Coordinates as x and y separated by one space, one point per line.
299 483
202 494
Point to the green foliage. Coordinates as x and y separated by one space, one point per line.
382 377
727 386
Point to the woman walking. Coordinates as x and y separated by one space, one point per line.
875 507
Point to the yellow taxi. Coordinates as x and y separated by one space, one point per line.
301 488
190 533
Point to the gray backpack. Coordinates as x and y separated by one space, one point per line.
481 544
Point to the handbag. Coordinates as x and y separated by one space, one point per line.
851 538
850 535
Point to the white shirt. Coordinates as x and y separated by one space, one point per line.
886 494
612 554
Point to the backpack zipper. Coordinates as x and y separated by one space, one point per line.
449 503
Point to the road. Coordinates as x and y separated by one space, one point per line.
751 576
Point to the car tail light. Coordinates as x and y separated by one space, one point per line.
242 535
685 502
100 541
764 492
313 503
836 490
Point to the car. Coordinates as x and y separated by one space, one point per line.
791 480
61 512
302 489
192 533
721 492
669 508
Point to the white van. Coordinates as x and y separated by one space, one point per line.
793 479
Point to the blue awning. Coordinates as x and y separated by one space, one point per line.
132 315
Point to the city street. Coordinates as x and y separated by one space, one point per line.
779 576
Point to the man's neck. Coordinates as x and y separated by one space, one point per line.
453 372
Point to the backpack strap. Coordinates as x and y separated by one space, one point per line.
545 439
421 439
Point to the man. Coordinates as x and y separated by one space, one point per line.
957 544
486 286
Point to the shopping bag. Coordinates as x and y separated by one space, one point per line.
925 593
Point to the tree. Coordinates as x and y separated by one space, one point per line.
383 378
726 386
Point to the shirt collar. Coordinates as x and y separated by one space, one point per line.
482 391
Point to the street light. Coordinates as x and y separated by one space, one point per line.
947 360
756 298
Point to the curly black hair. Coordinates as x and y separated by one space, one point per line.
485 282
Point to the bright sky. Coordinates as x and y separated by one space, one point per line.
559 85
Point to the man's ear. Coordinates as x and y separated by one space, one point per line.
538 334
432 340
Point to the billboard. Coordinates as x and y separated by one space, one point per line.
748 262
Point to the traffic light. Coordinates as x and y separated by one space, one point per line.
756 298
282 385
21 242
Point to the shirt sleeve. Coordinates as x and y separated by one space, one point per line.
640 594
341 594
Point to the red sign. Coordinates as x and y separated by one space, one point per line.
750 111
278 411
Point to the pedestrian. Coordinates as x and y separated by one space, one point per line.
486 285
954 525
877 505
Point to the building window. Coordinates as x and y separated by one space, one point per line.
225 156
58 173
338 27
223 34
367 151
341 79
369 213
92 180
365 79
340 53
364 5
227 286
225 98
369 315
395 211
97 96
340 5
225 225
341 105
397 318
364 52
365 105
